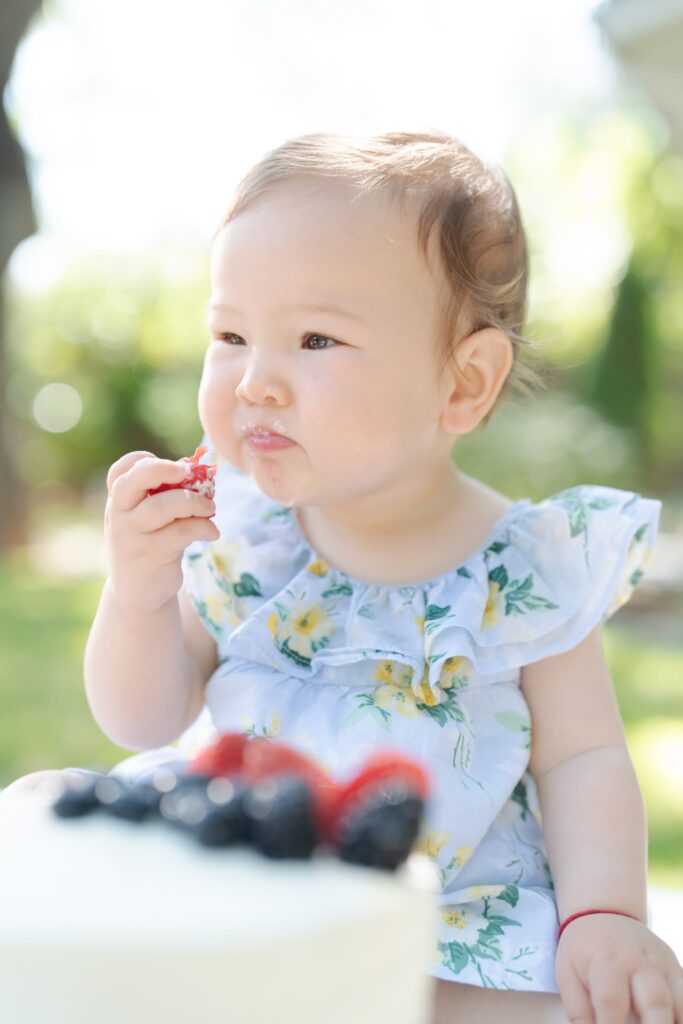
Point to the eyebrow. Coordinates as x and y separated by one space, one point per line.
313 307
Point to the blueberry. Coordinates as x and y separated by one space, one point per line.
280 813
185 804
225 820
380 833
124 800
77 797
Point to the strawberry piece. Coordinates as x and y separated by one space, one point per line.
201 477
385 770
265 758
225 756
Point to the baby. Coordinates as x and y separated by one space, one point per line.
350 587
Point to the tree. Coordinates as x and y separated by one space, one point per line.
17 221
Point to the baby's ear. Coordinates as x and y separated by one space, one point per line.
474 378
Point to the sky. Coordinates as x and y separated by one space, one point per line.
140 116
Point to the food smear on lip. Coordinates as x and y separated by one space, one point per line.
264 441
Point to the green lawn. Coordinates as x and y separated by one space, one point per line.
45 721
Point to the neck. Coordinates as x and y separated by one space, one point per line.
389 533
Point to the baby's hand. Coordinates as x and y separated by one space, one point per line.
146 535
610 966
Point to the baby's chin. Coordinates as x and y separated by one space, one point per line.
275 483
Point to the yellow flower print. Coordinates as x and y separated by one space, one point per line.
396 698
318 568
425 695
455 670
396 693
223 557
467 925
461 856
477 892
302 631
454 918
495 606
420 622
220 609
393 672
268 731
432 843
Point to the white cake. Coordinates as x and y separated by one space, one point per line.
105 921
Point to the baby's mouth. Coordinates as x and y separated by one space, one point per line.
256 430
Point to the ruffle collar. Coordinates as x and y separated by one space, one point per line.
546 574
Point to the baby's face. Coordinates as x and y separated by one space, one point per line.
323 318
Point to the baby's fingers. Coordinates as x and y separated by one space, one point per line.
143 474
123 464
576 1001
610 995
160 509
652 998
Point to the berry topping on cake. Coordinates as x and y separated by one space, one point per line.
200 476
281 817
77 797
378 813
225 756
242 789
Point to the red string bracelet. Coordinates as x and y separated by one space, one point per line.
584 913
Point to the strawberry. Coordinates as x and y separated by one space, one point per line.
266 758
375 818
225 756
200 478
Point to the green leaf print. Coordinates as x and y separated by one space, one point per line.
434 615
511 895
462 571
247 586
519 797
368 705
298 659
212 627
496 548
601 503
578 519
580 514
499 575
636 577
640 532
437 712
519 594
458 955
340 588
455 956
512 720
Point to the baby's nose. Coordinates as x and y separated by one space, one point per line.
261 384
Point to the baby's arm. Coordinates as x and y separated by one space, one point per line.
147 658
596 836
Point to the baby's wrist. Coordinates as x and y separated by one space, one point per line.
594 910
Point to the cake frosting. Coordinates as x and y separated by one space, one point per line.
104 920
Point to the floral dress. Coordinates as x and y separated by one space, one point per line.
339 667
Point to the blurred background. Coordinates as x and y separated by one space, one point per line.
126 125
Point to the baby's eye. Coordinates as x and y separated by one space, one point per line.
320 337
229 338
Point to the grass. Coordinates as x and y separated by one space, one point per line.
45 721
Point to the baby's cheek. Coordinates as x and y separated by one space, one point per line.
216 407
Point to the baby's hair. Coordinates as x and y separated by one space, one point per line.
471 204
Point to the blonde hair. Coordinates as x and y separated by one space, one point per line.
470 204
